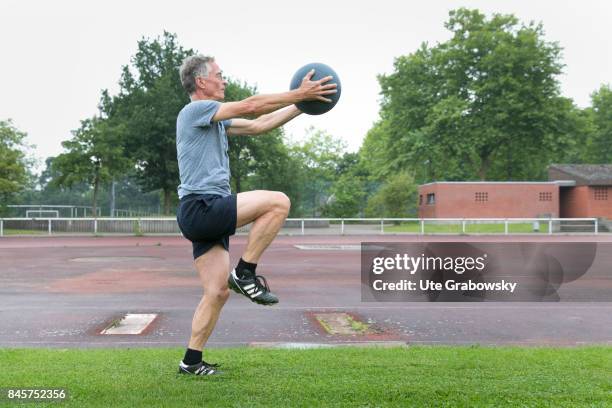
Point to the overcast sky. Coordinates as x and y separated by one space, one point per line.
58 55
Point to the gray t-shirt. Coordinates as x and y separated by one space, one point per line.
201 148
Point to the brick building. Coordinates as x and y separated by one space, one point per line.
489 199
572 191
590 196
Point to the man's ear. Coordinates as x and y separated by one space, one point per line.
200 82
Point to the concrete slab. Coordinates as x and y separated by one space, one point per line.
131 323
340 323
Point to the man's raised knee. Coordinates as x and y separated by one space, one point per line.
282 203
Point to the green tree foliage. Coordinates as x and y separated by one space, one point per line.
94 156
599 147
352 187
15 165
147 105
373 152
485 104
347 196
127 192
315 170
49 192
396 198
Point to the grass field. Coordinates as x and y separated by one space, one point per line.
11 231
470 228
351 377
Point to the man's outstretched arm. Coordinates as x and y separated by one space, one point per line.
258 105
263 123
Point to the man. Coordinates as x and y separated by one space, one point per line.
208 212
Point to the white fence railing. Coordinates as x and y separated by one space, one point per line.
308 226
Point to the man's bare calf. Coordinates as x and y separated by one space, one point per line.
267 210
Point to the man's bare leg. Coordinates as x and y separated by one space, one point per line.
268 211
213 268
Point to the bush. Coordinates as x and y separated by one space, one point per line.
397 198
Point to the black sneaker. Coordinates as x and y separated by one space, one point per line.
251 286
202 368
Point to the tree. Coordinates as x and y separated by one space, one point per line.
94 155
396 198
485 104
49 192
317 161
345 201
149 100
600 144
373 152
127 193
15 166
241 149
351 188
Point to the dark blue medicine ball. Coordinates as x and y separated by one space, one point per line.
321 71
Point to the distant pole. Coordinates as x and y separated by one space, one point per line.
112 203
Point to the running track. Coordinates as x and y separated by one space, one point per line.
51 298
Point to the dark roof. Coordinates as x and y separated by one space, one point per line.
583 174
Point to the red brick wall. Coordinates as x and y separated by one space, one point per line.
425 210
600 201
489 200
577 202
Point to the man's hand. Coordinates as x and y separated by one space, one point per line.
315 90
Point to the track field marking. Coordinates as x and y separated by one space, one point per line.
328 247
115 259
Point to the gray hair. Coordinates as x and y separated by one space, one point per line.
192 67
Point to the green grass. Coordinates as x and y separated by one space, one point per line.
348 377
356 325
470 228
11 231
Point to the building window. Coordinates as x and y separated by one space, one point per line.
545 196
601 193
481 197
431 198
420 199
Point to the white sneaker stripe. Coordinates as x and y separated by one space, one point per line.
256 294
249 286
205 370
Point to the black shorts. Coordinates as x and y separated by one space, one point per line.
207 220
